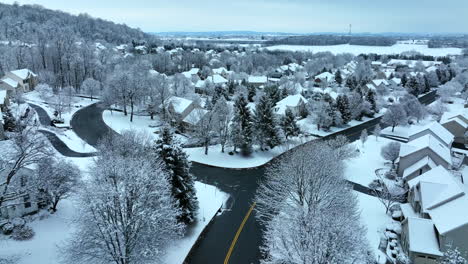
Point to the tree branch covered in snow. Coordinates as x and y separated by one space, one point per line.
127 214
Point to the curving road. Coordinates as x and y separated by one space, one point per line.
240 184
56 142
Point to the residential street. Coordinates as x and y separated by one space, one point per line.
240 184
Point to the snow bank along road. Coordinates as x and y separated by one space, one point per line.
240 184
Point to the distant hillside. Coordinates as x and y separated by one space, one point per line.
26 23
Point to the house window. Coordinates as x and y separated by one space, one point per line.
27 202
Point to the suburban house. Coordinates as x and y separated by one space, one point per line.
19 201
22 79
222 71
416 152
457 125
257 81
194 118
379 83
396 81
434 217
324 79
435 129
296 103
217 79
4 99
192 74
179 107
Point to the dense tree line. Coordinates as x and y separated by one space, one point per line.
318 40
26 23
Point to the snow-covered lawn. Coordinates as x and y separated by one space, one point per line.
361 169
357 49
119 122
210 199
373 217
53 231
216 158
308 126
404 131
50 233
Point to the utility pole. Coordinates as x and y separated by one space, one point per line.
350 27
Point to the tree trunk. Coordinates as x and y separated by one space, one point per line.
206 146
131 109
54 205
393 128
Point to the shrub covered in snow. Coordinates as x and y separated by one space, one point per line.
22 233
7 228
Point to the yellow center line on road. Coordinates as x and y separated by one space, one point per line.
234 241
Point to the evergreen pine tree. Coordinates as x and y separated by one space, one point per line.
338 77
342 103
289 125
252 92
267 131
9 122
241 126
427 86
370 97
404 80
177 166
413 86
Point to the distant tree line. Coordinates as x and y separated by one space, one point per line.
322 40
449 41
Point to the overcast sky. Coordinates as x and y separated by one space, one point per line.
296 16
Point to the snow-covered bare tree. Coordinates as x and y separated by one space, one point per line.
57 178
452 256
222 118
309 212
377 131
388 194
28 148
126 212
364 136
391 151
91 87
395 115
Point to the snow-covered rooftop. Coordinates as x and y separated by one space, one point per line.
458 118
378 82
217 79
426 161
290 101
437 129
422 237
10 82
325 76
257 79
427 141
179 104
195 116
23 73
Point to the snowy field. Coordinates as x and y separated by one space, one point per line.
356 49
